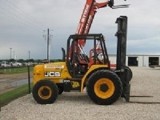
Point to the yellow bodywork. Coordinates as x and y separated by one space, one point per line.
58 72
54 71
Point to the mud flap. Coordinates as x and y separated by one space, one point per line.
67 85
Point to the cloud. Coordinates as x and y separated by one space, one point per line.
23 22
145 46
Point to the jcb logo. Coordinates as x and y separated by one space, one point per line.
75 84
52 74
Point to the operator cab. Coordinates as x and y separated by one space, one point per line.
81 58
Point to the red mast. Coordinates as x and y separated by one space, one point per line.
87 17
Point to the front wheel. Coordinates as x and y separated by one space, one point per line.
104 87
45 92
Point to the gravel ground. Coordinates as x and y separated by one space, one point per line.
78 106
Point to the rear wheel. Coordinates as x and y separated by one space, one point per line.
129 73
104 87
45 92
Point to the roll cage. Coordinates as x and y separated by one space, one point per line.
78 62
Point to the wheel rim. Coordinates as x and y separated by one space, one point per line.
104 88
45 92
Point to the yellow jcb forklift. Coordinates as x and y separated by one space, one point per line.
88 69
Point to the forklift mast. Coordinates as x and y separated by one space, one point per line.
121 41
123 71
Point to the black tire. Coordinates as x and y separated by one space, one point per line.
129 73
60 89
106 93
45 92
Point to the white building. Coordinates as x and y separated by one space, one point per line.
138 60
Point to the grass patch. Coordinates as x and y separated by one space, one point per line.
15 70
7 97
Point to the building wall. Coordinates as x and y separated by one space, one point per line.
143 60
140 61
112 59
126 60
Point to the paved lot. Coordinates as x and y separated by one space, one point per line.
10 81
78 106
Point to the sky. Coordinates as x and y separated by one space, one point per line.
24 24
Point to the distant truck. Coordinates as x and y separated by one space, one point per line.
5 64
10 64
16 64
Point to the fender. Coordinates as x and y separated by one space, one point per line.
91 70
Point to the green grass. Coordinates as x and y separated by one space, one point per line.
14 70
7 97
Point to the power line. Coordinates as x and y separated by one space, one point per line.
28 17
17 16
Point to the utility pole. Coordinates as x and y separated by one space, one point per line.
14 55
10 53
48 46
29 53
48 38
